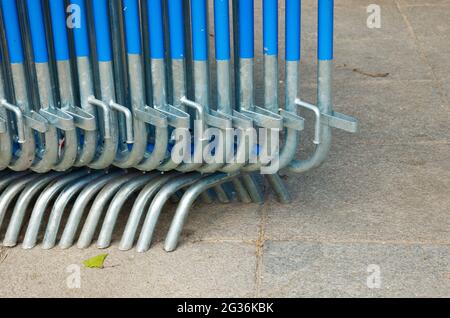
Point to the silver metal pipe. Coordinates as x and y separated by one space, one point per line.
325 104
222 195
48 152
223 87
158 203
60 205
98 206
160 102
104 239
186 203
80 205
279 187
25 158
289 150
86 90
5 137
21 207
41 205
70 150
132 158
161 138
246 86
241 191
271 83
142 201
11 192
252 188
11 177
108 149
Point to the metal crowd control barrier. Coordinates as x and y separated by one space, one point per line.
94 95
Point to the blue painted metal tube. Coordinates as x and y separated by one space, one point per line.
156 29
80 32
246 29
37 30
132 28
58 17
12 28
222 29
199 30
102 31
270 32
176 28
293 30
325 30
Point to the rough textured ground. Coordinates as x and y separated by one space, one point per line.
381 202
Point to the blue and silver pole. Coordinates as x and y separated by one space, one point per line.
5 136
108 150
136 83
49 151
177 52
200 50
65 85
24 158
85 78
292 76
156 41
325 83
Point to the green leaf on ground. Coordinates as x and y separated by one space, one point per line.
96 262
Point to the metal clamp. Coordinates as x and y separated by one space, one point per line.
151 116
175 117
81 118
58 118
264 118
335 120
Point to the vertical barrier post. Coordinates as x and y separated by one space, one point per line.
222 43
177 47
5 136
107 87
200 51
156 34
89 139
324 85
41 59
16 57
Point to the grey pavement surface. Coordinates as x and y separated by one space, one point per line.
374 221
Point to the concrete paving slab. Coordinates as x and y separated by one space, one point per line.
196 270
314 269
394 193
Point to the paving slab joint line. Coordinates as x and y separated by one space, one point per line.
375 242
260 247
